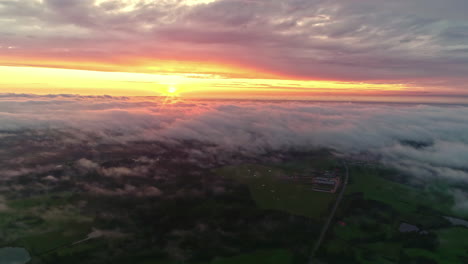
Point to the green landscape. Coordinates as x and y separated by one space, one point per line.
260 203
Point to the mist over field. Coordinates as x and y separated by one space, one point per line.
421 140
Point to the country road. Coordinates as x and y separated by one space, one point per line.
330 218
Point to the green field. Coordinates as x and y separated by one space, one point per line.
272 256
453 247
279 256
270 192
405 199
374 207
50 200
322 160
43 223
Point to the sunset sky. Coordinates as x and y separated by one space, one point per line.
235 48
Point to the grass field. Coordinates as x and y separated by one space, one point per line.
279 256
270 192
453 247
357 228
271 256
371 233
52 200
324 161
404 199
40 243
42 223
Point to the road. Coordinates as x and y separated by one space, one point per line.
330 217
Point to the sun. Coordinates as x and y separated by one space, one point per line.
171 90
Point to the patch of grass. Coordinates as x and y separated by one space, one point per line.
453 244
79 253
270 192
418 252
362 228
279 256
65 235
404 199
16 225
388 252
37 215
50 200
337 247
321 162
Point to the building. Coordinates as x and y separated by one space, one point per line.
326 184
327 181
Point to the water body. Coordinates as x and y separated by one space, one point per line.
405 228
457 222
11 255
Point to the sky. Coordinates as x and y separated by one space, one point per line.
235 48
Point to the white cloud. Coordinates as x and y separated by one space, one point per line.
87 164
3 205
147 191
10 173
50 178
254 127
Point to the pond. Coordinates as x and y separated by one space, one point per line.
457 222
11 255
406 228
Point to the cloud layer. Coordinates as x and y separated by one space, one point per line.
425 140
416 41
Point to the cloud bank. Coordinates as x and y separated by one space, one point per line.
424 140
